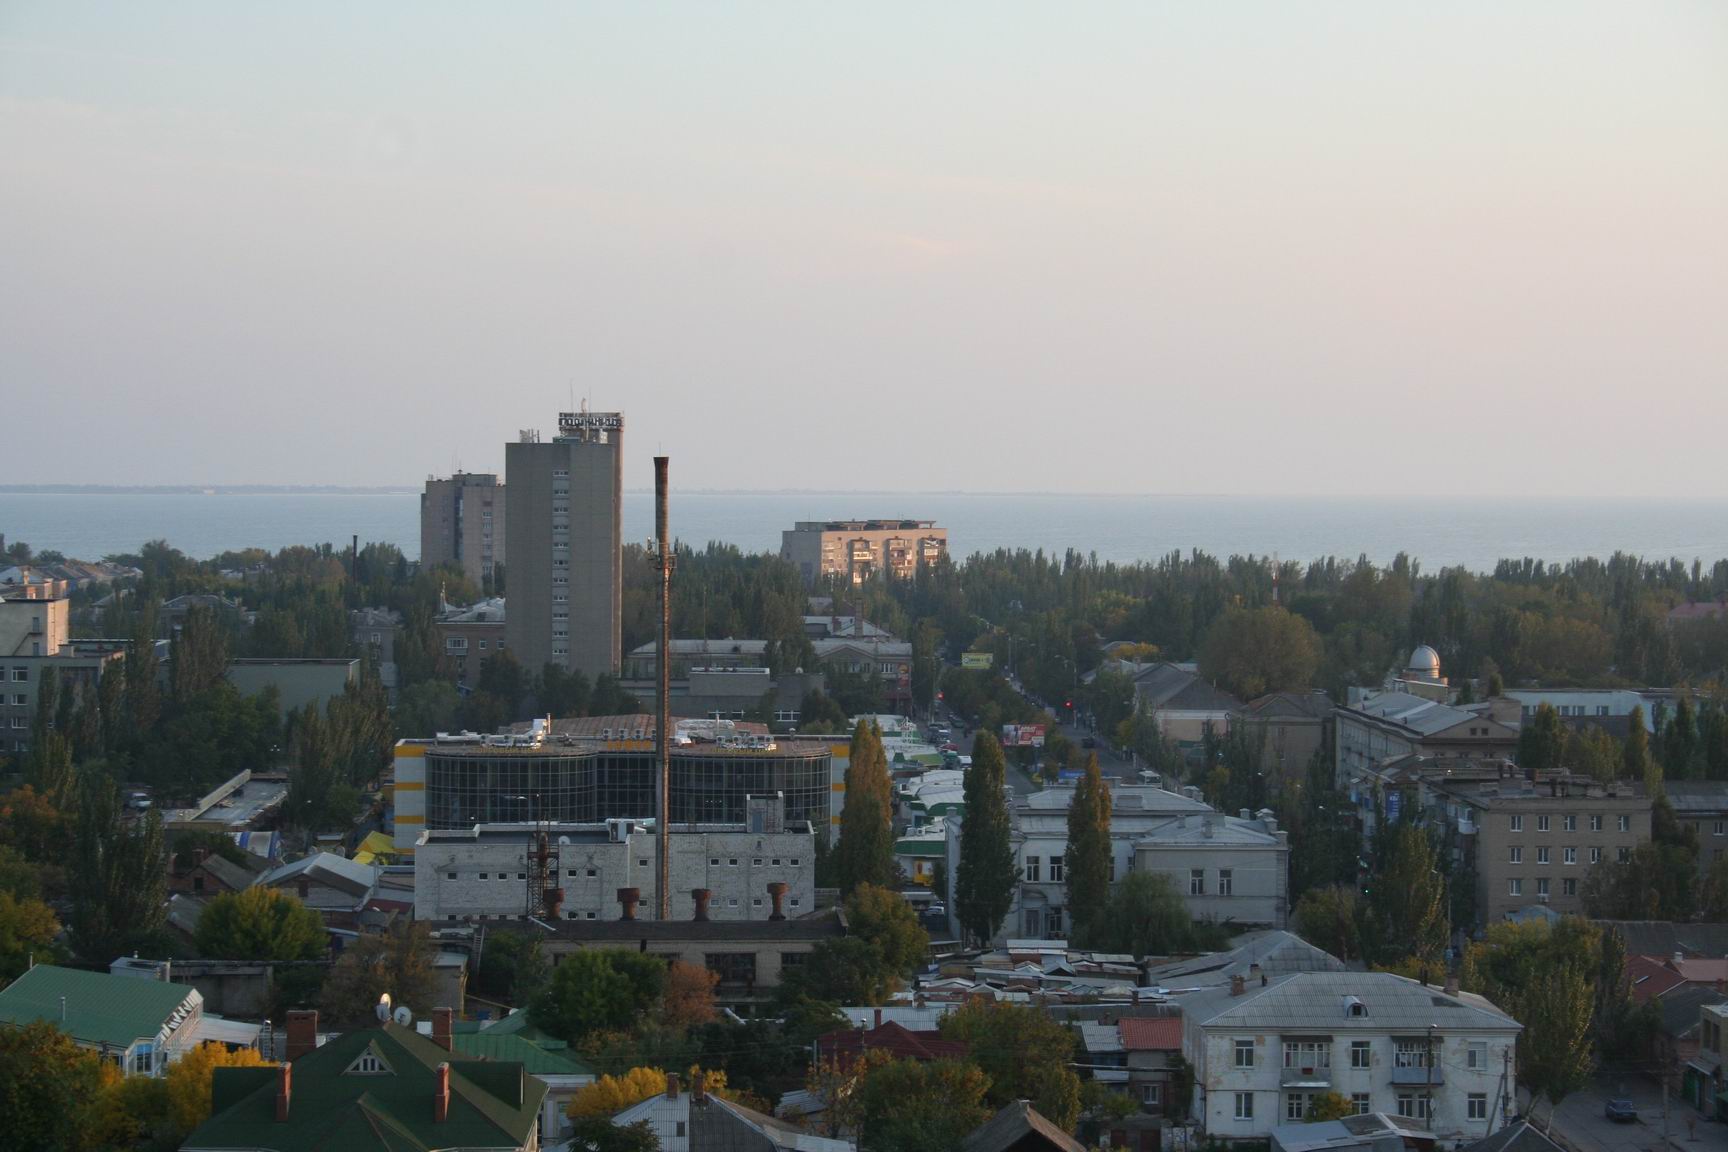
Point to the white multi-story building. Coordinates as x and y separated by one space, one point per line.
493 871
1229 868
1268 1043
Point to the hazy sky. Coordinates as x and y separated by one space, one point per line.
1313 248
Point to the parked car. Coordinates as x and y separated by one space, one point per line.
1621 1111
1088 742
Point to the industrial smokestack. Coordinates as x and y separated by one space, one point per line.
663 694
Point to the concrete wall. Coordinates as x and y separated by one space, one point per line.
736 866
299 682
34 627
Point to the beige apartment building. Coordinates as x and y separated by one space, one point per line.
462 523
859 549
35 638
1535 841
566 545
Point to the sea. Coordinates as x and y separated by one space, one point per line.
1435 531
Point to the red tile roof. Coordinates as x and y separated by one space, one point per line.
899 1041
1650 977
1151 1034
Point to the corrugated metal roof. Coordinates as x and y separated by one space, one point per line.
1318 1000
100 1008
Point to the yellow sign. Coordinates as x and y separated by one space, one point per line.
977 659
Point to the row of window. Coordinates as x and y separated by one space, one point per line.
1411 1053
1411 1105
573 914
1568 823
1515 855
1515 886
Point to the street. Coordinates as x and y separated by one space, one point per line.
1580 1125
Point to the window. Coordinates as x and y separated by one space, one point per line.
1359 1102
1514 887
1542 855
449 875
680 1127
1515 855
1569 856
1244 1053
1244 1105
1595 855
20 699
1197 882
1624 855
794 861
1478 1105
1542 887
1595 823
1625 823
1055 869
1225 883
1568 887
1541 823
1569 824
1152 1092
1112 869
1407 1104
1476 1055
483 876
20 675
1410 1053
1295 1104
1306 1054
1720 828
1361 1054
369 1064
1517 823
1032 869
713 861
143 1060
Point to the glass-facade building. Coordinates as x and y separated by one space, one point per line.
466 784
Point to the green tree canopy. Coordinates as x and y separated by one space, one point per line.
865 854
907 1106
1407 901
260 923
884 919
1330 919
984 881
1087 860
1253 651
599 990
1024 1051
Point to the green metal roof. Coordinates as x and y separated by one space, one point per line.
920 848
511 1047
100 1008
492 1105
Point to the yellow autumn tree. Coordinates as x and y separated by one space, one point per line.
610 1095
189 1080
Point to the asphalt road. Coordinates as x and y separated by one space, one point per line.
1579 1122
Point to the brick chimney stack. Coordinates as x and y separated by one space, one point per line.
442 1028
778 890
441 1095
628 898
284 1091
302 1032
671 1085
1238 985
701 896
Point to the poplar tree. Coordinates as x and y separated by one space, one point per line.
1088 853
984 882
865 854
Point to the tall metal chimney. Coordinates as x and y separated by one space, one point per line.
663 695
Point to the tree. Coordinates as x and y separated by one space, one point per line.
599 990
398 961
1407 906
1330 919
925 665
610 1095
688 999
513 967
1253 651
848 970
985 879
1542 742
1024 1051
563 693
119 876
1635 753
906 1106
884 920
1089 851
1145 916
1544 977
197 656
260 924
866 849
27 930
818 714
1328 1106
1657 881
48 1090
189 1079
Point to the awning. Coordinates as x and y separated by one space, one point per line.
215 1028
1110 1075
1704 1066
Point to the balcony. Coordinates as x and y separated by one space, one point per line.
1319 1077
1419 1076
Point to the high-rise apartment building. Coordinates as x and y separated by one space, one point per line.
462 523
858 549
565 584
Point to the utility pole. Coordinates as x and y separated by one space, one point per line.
662 743
1664 1110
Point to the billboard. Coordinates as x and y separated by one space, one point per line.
977 659
1023 735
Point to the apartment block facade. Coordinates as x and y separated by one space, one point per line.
462 523
859 549
565 542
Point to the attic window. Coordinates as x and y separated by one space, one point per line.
1354 1007
368 1063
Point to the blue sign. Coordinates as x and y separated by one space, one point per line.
1394 801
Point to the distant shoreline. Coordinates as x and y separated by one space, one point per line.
202 490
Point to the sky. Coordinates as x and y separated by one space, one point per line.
1318 248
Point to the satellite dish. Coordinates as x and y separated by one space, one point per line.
403 1016
383 1008
564 841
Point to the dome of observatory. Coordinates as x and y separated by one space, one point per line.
1425 661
